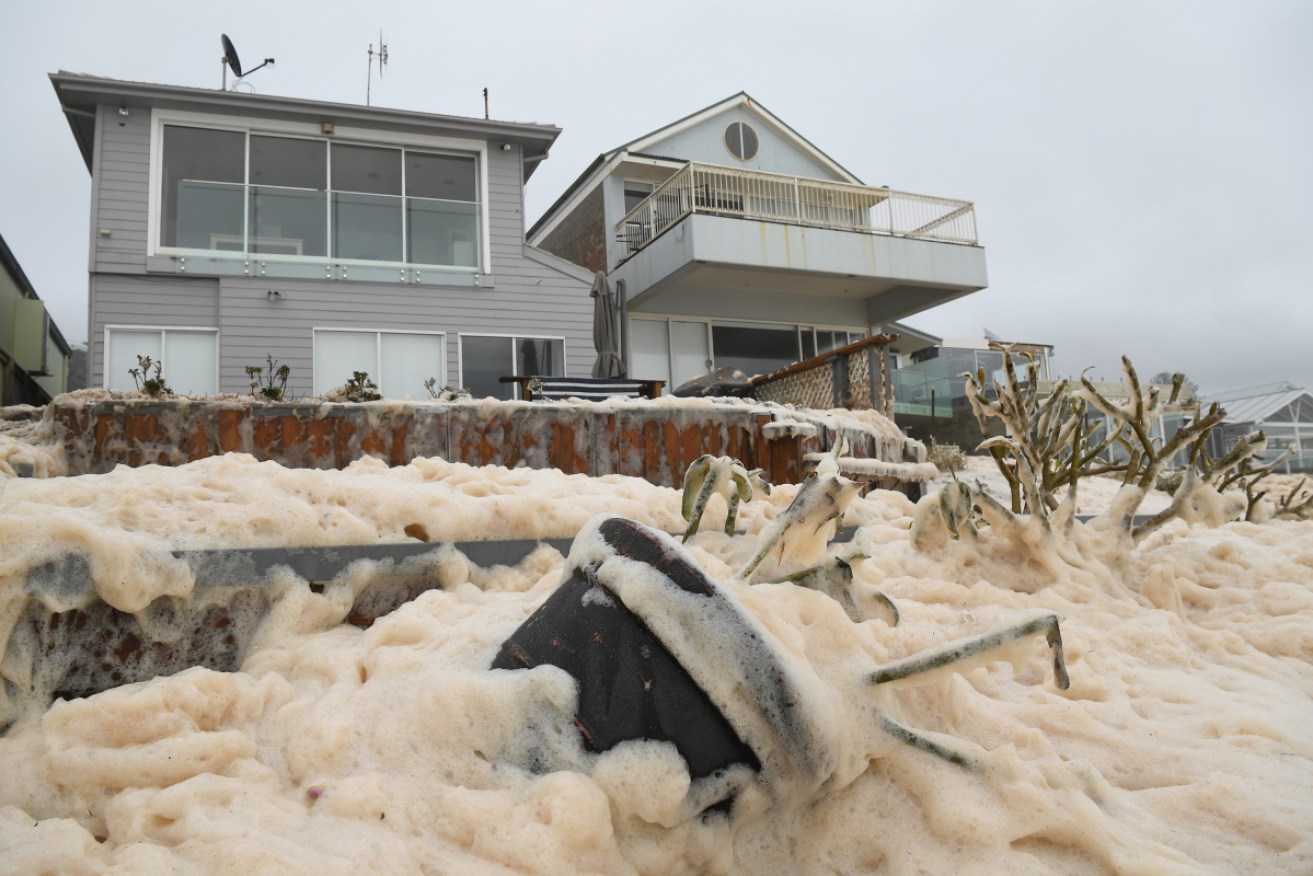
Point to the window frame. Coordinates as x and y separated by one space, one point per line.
163 330
634 185
346 135
460 350
376 374
710 322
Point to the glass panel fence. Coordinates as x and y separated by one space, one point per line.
288 221
442 233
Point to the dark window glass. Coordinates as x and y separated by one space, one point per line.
287 199
226 191
827 340
808 338
482 362
367 227
284 161
204 155
287 222
635 194
741 140
449 177
754 349
542 357
201 188
442 233
367 170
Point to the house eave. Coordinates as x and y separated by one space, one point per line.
601 168
80 95
602 164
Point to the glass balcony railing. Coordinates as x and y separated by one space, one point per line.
278 221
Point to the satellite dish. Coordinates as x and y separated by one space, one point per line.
230 55
230 59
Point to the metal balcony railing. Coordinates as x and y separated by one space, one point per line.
794 200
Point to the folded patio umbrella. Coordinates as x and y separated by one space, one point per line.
608 362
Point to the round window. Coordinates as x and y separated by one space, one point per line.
741 141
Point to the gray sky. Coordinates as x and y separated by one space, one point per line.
1142 171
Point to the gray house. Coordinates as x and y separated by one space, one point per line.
229 226
734 241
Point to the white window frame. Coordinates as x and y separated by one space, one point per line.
163 330
798 327
814 328
625 185
306 130
724 138
376 373
460 349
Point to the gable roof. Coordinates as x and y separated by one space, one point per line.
602 165
1259 403
747 102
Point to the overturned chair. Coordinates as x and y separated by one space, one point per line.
661 651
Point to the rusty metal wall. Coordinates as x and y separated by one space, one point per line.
655 443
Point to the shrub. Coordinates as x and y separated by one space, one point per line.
269 383
360 388
154 386
447 392
947 457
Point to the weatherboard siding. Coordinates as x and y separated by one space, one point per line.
122 191
531 295
155 301
252 326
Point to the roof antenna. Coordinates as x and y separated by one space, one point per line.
230 60
382 54
485 101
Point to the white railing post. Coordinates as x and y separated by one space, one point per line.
759 194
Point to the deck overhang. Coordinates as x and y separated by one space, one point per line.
730 267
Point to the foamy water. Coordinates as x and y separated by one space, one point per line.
1180 747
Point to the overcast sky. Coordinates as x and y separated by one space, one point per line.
1142 171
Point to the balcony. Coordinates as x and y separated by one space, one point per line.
773 197
713 239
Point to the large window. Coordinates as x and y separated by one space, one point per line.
755 349
399 362
817 341
188 358
484 359
676 351
243 192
